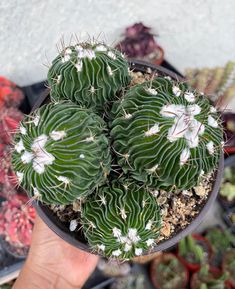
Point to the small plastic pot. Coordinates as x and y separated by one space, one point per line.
214 271
77 239
160 258
194 267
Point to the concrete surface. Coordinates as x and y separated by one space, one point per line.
193 32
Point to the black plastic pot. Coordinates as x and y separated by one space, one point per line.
78 240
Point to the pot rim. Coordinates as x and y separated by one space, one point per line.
57 226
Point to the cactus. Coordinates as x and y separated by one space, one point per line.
191 251
61 153
206 279
88 74
168 272
16 221
227 189
166 135
229 265
121 220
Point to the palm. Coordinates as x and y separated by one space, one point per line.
59 257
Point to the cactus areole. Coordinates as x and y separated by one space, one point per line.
159 134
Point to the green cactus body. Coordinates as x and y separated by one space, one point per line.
165 134
61 153
88 74
121 220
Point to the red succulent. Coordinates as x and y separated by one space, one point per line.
139 43
16 221
10 94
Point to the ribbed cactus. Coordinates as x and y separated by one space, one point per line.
121 220
61 153
88 74
165 134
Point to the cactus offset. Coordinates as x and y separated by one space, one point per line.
61 153
88 74
121 220
166 135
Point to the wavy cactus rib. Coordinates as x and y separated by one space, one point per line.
61 153
165 134
121 220
88 74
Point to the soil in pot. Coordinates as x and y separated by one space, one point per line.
193 251
209 278
229 266
168 272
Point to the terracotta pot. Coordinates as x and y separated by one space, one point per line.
194 267
145 259
157 261
77 239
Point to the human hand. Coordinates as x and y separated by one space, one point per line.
53 264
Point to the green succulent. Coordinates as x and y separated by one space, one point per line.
61 153
169 272
206 280
228 186
88 74
121 220
166 135
191 251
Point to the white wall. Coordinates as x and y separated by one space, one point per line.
192 32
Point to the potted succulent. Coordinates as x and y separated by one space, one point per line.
131 281
209 278
193 251
16 224
168 272
120 163
139 43
229 130
221 240
229 218
227 190
229 266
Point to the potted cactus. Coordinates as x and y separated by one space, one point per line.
227 190
193 251
168 272
228 266
133 156
221 240
209 278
